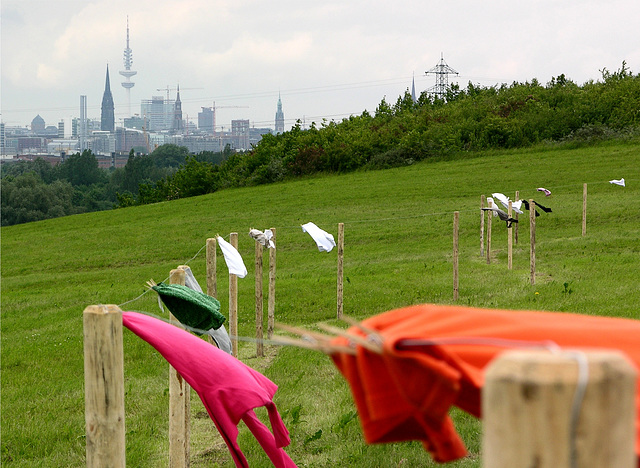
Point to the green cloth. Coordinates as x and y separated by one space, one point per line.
191 308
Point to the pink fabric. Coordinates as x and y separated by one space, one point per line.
229 389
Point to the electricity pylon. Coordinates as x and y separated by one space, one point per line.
442 72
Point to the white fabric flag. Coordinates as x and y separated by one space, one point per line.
617 182
232 258
505 202
263 237
324 240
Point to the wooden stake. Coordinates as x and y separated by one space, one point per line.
516 216
233 302
179 403
271 305
489 217
584 210
528 418
104 386
510 239
456 215
532 240
259 300
340 269
481 226
212 279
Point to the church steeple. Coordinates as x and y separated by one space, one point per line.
279 117
107 118
177 114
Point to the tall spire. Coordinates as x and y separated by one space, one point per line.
279 116
107 119
177 114
127 72
413 89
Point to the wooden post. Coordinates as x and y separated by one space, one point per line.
515 234
233 302
532 240
340 268
510 238
456 215
271 304
179 403
481 226
584 210
528 418
259 300
104 386
212 279
489 217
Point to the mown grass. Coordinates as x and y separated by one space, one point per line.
398 251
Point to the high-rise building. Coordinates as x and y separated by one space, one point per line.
37 124
128 72
82 130
159 112
107 119
279 117
61 129
205 120
240 133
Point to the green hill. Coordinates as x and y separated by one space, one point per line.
398 251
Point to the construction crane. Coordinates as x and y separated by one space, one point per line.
171 88
221 107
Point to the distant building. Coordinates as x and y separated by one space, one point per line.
279 117
107 120
205 120
37 124
240 133
159 112
61 129
136 122
177 125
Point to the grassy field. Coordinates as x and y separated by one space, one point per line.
398 251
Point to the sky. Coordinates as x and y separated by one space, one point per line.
327 59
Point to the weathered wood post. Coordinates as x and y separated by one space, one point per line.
456 215
212 278
340 287
259 300
515 234
233 302
584 210
532 240
510 238
104 386
489 217
179 403
271 304
529 418
481 226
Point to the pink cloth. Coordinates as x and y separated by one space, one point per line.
229 389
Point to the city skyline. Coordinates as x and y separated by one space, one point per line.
326 60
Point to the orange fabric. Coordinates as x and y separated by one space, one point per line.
406 392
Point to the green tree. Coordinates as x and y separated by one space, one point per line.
82 169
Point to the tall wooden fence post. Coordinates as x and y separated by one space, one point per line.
532 240
584 210
259 301
515 234
489 217
340 288
104 386
510 238
212 278
456 215
271 304
179 403
528 415
481 226
233 302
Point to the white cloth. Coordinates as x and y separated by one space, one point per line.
617 182
324 240
219 335
263 237
232 258
505 202
546 192
492 205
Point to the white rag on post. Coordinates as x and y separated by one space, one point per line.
263 237
505 202
323 239
232 258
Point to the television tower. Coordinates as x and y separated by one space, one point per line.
128 72
442 72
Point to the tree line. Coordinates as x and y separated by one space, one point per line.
466 120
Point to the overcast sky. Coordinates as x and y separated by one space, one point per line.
327 59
